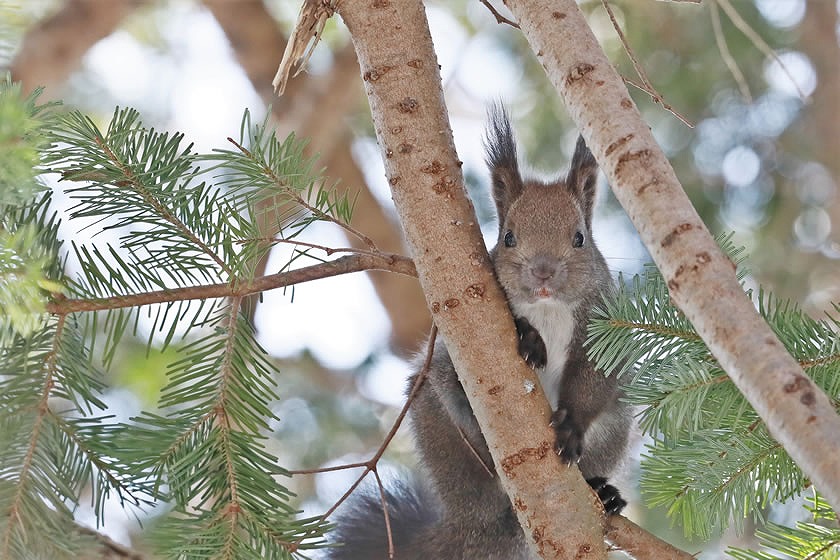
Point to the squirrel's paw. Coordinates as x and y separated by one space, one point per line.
568 443
531 345
608 494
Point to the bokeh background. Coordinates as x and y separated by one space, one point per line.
761 160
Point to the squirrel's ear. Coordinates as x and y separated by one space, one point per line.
501 159
581 179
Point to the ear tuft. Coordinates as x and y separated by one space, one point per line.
581 178
500 150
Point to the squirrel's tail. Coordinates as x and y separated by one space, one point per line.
361 534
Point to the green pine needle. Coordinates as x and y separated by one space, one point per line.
711 461
149 219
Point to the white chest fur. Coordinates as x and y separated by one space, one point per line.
555 322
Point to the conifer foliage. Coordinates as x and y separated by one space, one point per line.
710 459
163 217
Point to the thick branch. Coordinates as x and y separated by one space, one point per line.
53 49
700 278
402 80
342 265
638 543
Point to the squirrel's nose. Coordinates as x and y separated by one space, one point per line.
543 271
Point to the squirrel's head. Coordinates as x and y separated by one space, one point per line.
544 249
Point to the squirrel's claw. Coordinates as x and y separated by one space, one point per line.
531 345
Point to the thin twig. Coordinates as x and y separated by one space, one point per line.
328 250
647 85
499 17
384 499
727 57
756 39
299 199
370 465
655 97
342 265
334 468
640 71
474 451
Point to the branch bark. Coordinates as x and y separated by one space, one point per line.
342 265
638 543
701 279
107 549
402 81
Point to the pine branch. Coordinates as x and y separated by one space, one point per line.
712 459
47 456
205 452
812 540
327 205
134 176
341 265
21 138
208 449
15 514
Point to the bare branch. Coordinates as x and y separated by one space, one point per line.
646 86
638 543
311 20
730 62
657 99
640 71
756 39
499 17
282 185
342 265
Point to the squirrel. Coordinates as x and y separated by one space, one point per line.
552 274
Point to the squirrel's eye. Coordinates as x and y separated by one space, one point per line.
578 242
510 239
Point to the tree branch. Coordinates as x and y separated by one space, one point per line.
638 543
107 549
342 265
700 278
402 80
52 50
